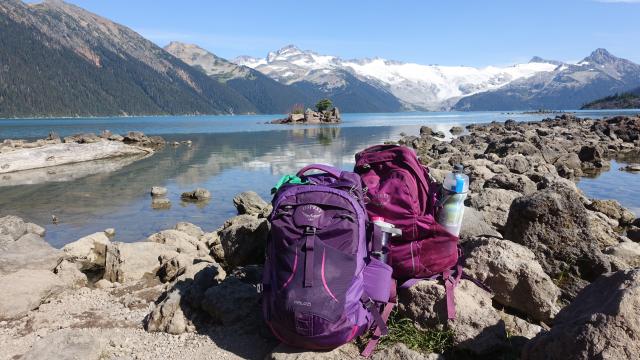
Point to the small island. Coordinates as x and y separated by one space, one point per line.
325 113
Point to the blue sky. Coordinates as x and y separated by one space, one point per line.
450 32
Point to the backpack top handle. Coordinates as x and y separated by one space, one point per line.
336 173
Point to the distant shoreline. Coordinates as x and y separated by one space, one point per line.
504 112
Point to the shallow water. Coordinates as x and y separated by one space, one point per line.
230 154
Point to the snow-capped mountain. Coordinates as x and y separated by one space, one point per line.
569 86
418 87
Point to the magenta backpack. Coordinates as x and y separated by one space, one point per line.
400 190
321 287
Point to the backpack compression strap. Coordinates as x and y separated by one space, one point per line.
378 332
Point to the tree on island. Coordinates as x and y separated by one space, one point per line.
324 104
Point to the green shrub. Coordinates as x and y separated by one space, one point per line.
324 104
403 330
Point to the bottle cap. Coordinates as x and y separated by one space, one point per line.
458 168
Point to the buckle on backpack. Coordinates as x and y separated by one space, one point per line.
368 303
309 230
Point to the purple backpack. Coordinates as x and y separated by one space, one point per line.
400 190
321 289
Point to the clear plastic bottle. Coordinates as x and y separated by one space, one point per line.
381 245
454 188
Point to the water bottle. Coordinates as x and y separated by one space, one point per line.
381 245
454 188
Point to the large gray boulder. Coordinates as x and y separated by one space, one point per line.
517 163
12 226
181 241
554 224
190 229
243 239
129 262
89 252
233 302
510 181
494 204
29 251
25 290
601 323
250 203
627 251
473 225
513 274
614 210
180 308
478 327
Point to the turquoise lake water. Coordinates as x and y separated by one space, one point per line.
230 154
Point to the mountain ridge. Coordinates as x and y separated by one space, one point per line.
61 60
417 86
568 86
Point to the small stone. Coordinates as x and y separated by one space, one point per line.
158 191
103 284
632 168
198 194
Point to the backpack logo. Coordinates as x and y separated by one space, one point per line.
311 212
379 199
302 303
308 215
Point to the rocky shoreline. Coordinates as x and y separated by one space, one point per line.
17 156
563 268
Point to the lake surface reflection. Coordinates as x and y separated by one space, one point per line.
227 157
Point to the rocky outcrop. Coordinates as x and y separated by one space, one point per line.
474 224
555 225
67 153
243 239
250 203
22 247
89 252
312 117
513 274
128 262
602 322
493 204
